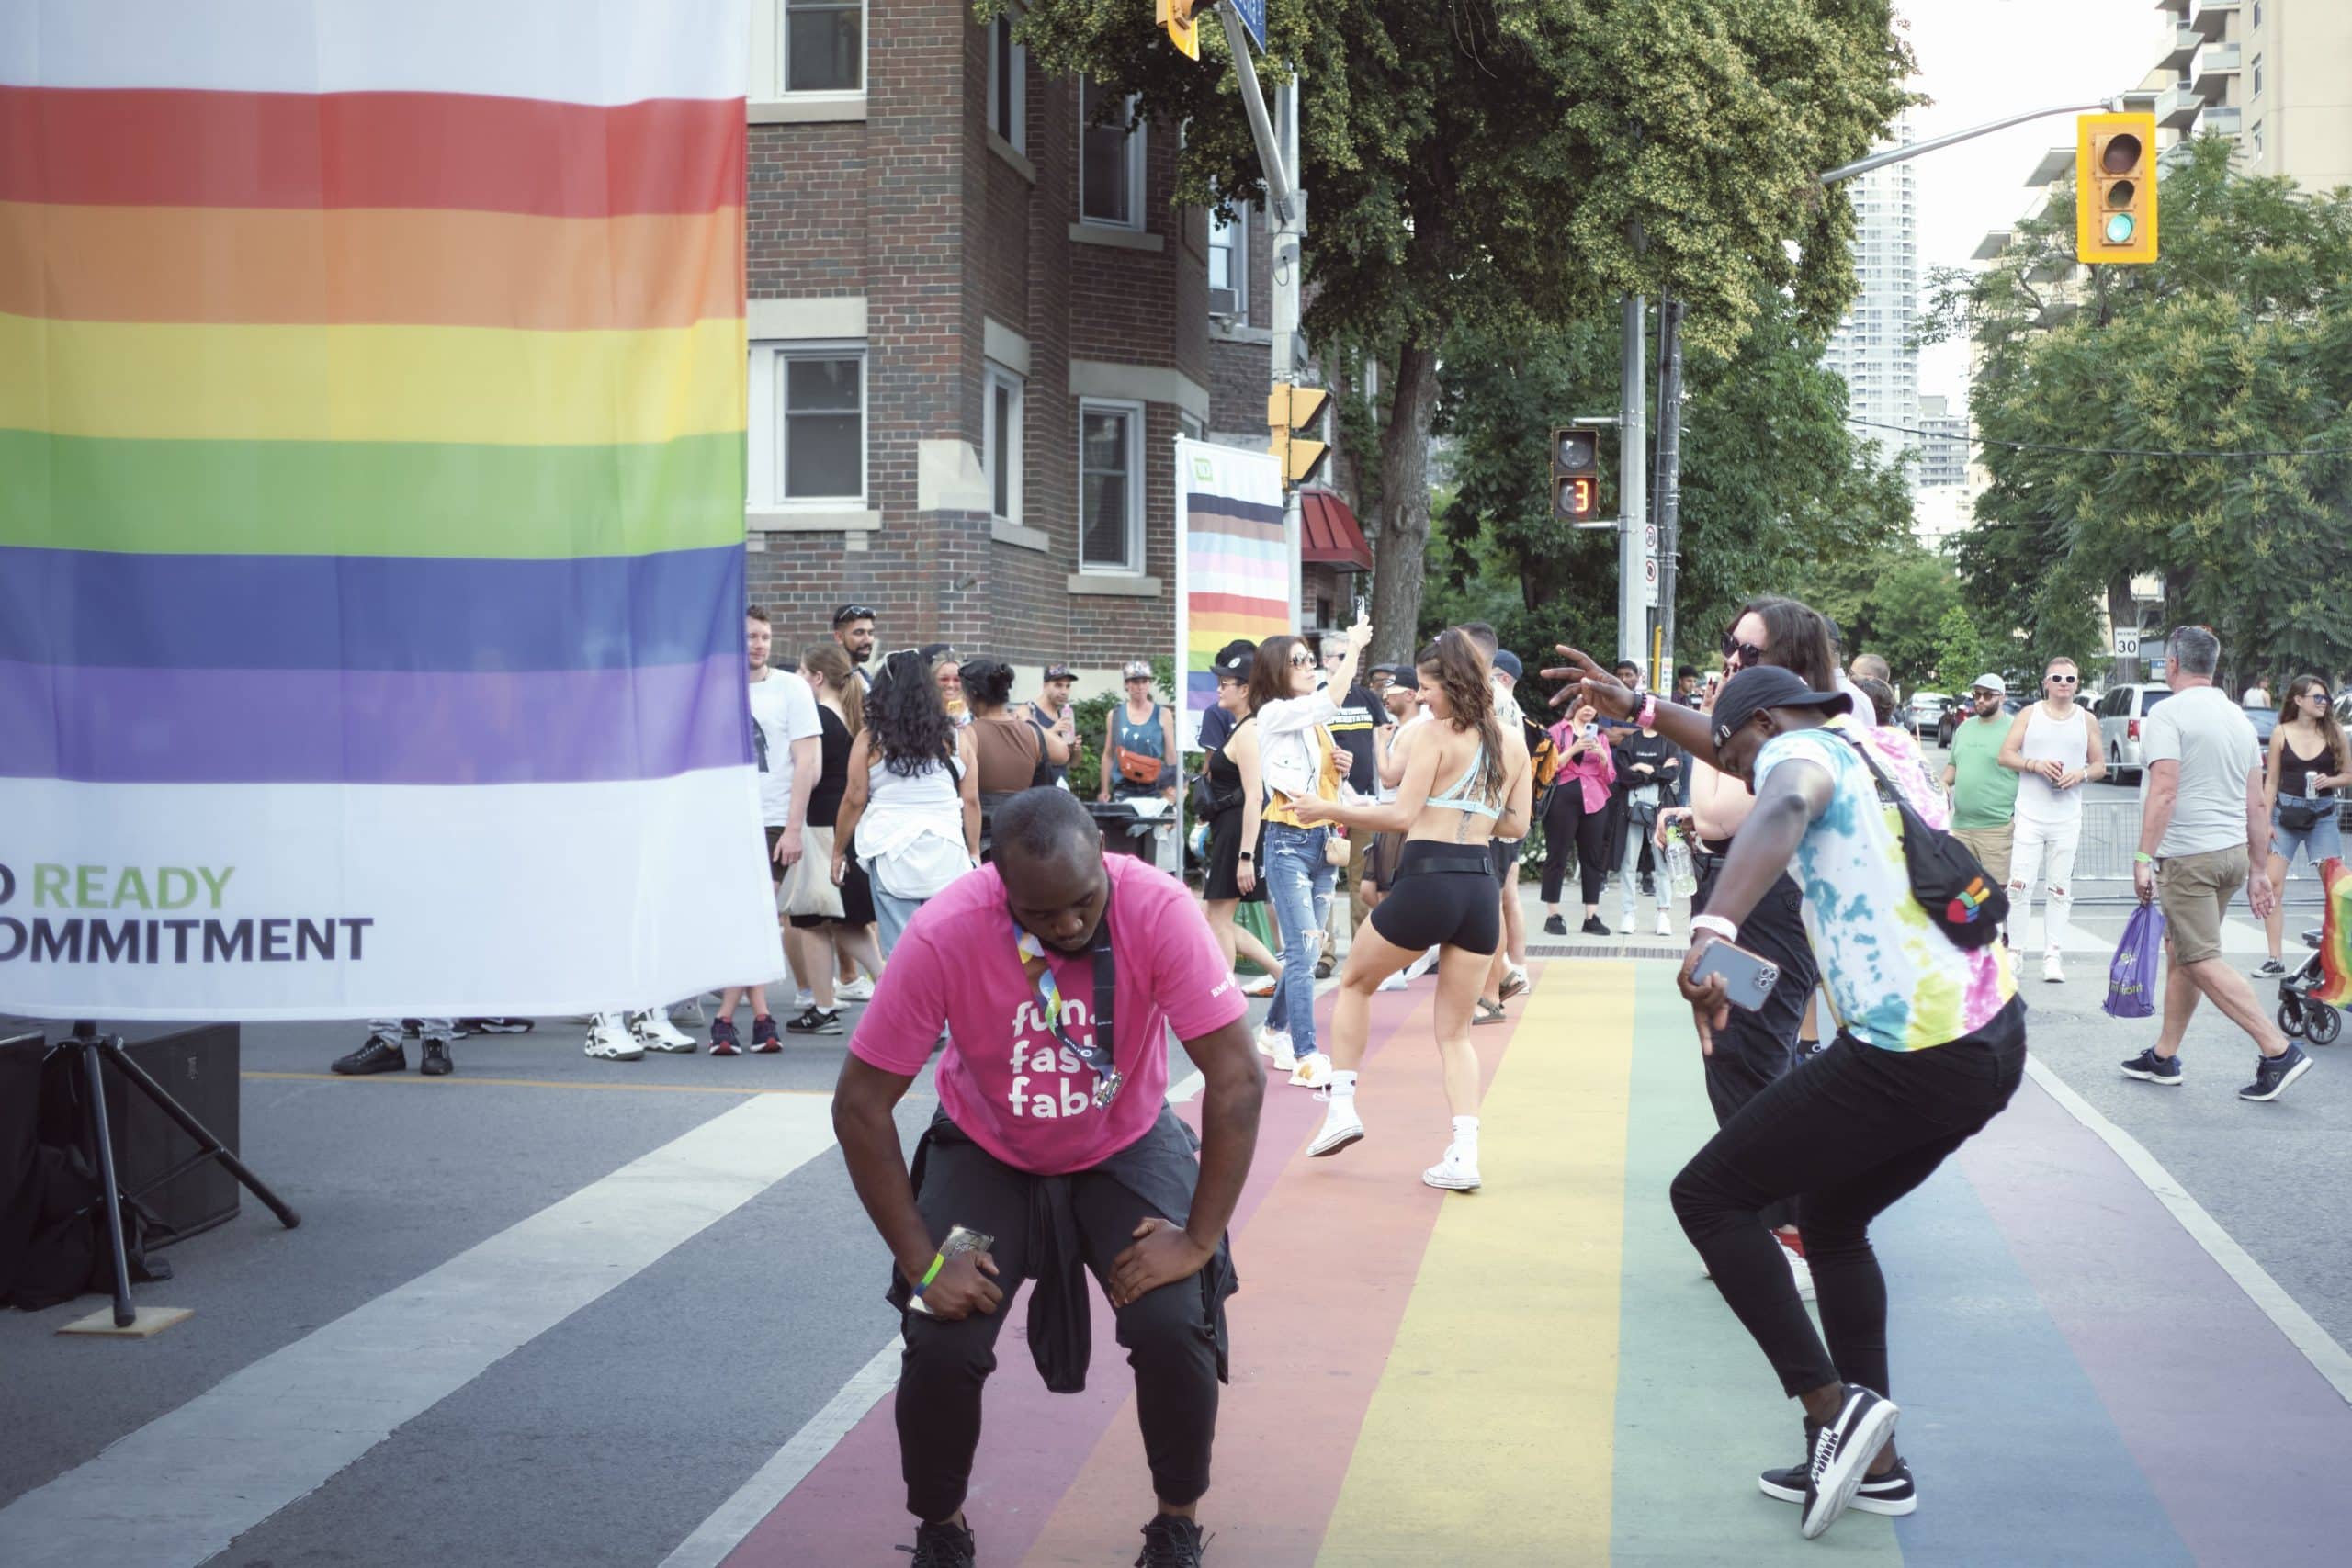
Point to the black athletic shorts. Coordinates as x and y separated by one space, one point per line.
775 872
1444 894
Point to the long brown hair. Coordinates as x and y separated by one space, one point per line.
830 660
1796 638
2329 730
1461 668
1269 673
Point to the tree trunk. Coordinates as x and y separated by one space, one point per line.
2122 615
1401 534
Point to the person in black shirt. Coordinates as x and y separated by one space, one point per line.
1359 729
1050 711
1649 767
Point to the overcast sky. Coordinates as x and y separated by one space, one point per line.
1980 60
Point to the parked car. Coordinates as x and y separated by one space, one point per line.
2264 720
2121 713
1920 714
1958 713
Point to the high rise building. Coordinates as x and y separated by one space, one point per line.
1943 449
2273 76
1871 348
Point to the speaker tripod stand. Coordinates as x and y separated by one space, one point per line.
96 1050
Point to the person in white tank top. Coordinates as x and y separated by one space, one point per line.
2053 747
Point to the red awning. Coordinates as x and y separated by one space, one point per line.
1332 534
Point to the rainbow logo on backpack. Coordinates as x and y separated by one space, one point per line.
1970 903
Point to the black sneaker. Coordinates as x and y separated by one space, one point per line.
1555 926
2273 1074
810 1022
1891 1494
383 1053
1843 1451
2149 1068
1170 1542
941 1546
2271 970
436 1063
724 1041
1595 926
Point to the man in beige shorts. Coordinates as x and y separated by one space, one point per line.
2204 830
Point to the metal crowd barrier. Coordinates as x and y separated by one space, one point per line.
2110 838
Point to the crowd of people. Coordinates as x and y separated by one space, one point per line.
929 858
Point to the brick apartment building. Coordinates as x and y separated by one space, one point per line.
977 323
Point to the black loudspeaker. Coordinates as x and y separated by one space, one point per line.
195 1065
198 1067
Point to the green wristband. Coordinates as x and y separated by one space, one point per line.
2144 858
938 1261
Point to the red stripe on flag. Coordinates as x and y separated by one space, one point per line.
127 147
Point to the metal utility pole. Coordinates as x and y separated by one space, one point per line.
1913 148
1633 490
1670 479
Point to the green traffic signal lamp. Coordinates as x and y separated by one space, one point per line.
2119 229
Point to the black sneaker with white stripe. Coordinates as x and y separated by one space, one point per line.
2273 1074
1843 1451
1891 1494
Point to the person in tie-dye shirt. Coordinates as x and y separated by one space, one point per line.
1929 1048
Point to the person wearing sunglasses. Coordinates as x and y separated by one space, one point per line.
2310 761
2053 747
854 630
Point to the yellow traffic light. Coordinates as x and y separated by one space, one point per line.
2115 187
1290 411
1176 16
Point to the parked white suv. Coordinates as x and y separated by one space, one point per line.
2121 714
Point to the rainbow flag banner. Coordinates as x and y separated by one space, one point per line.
1235 564
371 486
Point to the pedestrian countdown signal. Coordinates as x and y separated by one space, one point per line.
2115 187
1575 472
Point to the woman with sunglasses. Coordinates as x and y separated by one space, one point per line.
1287 748
2310 761
2052 747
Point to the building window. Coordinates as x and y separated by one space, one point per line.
807 424
1001 443
1229 264
1110 160
2257 75
1110 487
2255 138
1008 84
824 46
2257 12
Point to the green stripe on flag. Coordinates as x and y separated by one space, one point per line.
349 498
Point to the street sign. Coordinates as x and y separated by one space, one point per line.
2126 645
1649 581
1649 538
1253 19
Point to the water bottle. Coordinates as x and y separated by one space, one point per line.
1680 875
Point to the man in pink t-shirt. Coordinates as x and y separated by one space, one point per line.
1058 1143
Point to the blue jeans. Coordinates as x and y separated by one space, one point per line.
2319 841
1298 885
891 914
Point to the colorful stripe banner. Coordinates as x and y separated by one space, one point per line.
372 411
1235 564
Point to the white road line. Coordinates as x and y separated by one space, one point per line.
185 1485
773 1483
2301 1330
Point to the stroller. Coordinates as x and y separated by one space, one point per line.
2299 1013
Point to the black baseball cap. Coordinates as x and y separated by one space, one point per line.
1060 672
1763 686
1235 660
849 613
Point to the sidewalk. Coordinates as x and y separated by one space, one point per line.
1538 1374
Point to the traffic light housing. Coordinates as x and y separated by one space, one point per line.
1176 17
2115 187
1291 412
1575 472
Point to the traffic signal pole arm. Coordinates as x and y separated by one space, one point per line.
1261 126
1913 148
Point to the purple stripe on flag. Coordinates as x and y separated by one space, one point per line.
102 725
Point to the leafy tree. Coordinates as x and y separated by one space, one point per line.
1510 163
2239 339
1960 652
1890 601
1775 487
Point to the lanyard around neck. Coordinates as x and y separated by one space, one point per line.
1097 1052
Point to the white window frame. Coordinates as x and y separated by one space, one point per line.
772 71
1136 166
1014 115
1018 394
1134 414
766 448
1237 244
2256 76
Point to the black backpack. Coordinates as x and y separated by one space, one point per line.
1963 903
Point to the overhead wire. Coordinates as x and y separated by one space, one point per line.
1975 440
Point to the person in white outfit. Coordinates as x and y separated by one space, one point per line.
2054 748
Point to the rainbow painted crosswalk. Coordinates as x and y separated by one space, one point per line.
1537 1373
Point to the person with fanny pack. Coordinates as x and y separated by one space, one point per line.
1138 742
2310 761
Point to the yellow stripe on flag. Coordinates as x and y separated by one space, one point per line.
1502 1381
493 385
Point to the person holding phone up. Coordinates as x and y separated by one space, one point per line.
1930 1047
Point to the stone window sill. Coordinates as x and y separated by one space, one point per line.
1005 532
1112 585
1117 239
811 520
1012 155
811 108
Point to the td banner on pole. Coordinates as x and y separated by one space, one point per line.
372 600
1233 565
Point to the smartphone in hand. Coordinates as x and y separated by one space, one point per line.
1748 979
